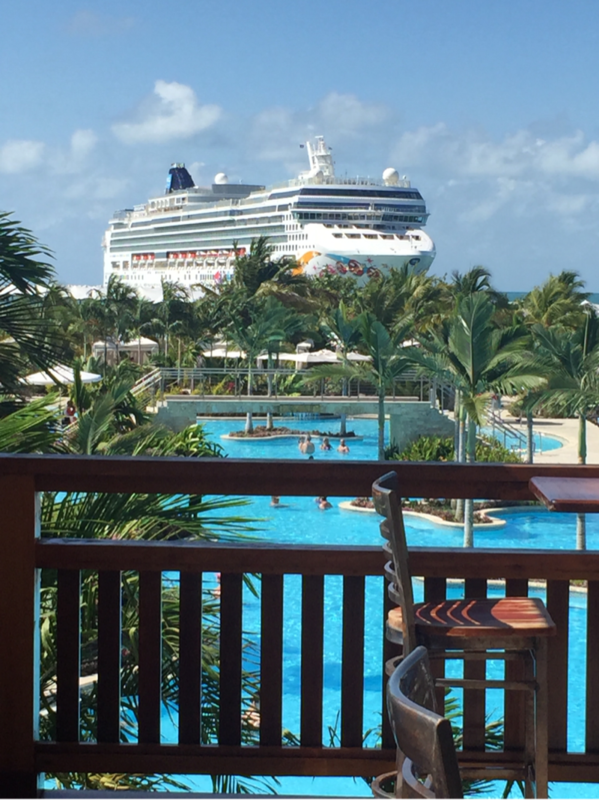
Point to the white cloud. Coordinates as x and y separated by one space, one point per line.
346 115
276 132
89 23
82 143
173 113
517 155
18 155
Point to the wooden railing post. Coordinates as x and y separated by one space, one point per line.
19 639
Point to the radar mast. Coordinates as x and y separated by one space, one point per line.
321 159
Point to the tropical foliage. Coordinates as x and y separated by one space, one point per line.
442 448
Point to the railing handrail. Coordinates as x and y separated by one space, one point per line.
146 381
283 477
268 558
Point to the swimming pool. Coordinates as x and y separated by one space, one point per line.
363 448
516 439
336 526
525 528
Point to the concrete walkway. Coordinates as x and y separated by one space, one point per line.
565 429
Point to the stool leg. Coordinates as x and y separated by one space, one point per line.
530 721
542 721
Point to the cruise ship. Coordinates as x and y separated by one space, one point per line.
356 227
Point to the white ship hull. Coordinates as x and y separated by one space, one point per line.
365 258
350 227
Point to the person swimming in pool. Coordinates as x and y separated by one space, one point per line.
325 445
307 445
343 448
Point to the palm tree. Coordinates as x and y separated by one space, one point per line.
477 358
388 360
344 332
269 321
571 362
30 335
112 312
558 301
403 293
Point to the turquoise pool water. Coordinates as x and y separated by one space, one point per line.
517 441
362 448
527 529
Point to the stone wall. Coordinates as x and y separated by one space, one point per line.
412 420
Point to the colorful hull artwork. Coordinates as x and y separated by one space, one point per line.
313 263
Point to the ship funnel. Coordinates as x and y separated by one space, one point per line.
178 178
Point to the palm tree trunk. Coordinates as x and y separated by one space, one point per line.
456 418
459 508
581 520
456 438
269 367
469 502
581 532
249 420
529 437
343 417
382 424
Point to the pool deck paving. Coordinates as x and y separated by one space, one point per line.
567 431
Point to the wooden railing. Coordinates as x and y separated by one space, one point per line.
23 554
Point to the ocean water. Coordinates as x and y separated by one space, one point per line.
594 298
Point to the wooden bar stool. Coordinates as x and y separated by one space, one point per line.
479 629
427 765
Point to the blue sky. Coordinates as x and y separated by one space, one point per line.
491 108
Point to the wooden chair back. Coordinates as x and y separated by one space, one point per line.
428 765
387 502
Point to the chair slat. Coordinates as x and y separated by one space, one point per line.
271 660
352 662
109 656
231 597
423 737
435 591
190 657
150 656
312 656
474 699
68 644
389 651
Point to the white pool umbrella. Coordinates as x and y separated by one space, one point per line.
61 374
317 357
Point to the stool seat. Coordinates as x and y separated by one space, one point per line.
488 618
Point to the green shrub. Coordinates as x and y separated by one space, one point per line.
441 448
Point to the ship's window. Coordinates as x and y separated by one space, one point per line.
370 236
386 236
354 236
338 235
